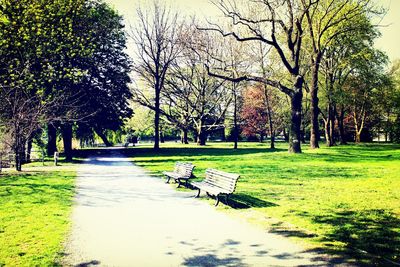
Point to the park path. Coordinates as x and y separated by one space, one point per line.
124 217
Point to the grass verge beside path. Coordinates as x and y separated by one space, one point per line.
344 199
35 206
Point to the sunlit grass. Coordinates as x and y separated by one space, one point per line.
345 199
34 214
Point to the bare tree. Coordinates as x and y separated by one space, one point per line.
278 24
263 56
193 94
177 108
22 113
235 61
157 37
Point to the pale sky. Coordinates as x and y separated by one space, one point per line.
389 42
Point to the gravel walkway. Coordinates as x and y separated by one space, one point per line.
124 217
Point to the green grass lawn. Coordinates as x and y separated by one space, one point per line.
34 214
344 199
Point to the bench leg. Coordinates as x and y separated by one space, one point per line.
198 193
168 178
179 183
216 200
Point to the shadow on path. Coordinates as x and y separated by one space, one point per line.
88 264
124 216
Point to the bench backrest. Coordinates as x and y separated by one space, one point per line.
8 161
224 180
184 168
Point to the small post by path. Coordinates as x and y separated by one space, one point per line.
55 158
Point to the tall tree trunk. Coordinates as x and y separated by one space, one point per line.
357 137
18 150
18 160
272 138
157 118
269 108
303 135
235 123
295 126
29 150
184 136
328 126
332 125
314 135
359 128
201 135
285 135
103 137
23 153
51 139
162 137
327 131
269 114
340 118
67 140
304 123
387 127
357 132
202 138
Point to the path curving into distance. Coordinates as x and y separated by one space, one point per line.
124 217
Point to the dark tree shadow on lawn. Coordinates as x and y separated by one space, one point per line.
32 185
244 201
366 147
290 232
200 151
371 236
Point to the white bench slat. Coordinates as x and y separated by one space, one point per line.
217 182
182 171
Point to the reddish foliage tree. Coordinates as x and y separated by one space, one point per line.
254 113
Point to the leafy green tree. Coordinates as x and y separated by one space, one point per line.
63 62
103 90
344 59
101 94
364 88
389 105
140 124
395 73
327 21
35 39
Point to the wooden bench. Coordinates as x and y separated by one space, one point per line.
217 183
7 161
183 171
